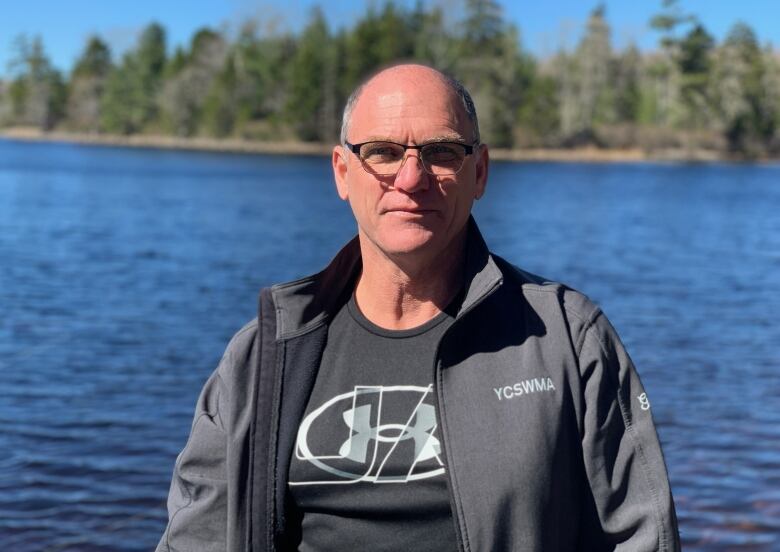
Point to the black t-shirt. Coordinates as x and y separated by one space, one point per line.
367 471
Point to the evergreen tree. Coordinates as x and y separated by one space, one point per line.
494 69
151 57
662 103
483 27
263 65
627 94
745 105
312 93
584 81
37 91
771 100
219 107
122 109
175 63
252 74
564 70
5 105
378 39
396 35
538 116
150 64
95 61
433 44
130 98
668 21
694 60
87 84
184 94
593 61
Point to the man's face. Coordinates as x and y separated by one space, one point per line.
412 212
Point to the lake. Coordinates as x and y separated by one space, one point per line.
124 272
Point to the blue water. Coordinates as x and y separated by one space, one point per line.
123 273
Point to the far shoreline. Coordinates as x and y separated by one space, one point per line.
232 145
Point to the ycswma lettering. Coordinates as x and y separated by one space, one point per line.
524 387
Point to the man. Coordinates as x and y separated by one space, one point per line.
421 393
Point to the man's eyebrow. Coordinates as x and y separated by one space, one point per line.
376 138
450 137
453 137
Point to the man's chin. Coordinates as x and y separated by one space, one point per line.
407 241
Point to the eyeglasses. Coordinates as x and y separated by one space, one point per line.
386 158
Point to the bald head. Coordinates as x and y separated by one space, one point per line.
414 74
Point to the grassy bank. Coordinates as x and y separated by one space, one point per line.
584 154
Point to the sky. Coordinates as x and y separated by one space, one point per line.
544 26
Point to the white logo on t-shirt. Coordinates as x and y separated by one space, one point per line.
374 445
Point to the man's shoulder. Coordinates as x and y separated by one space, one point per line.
238 350
547 294
244 337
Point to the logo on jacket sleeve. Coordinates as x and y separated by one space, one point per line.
376 434
525 387
644 402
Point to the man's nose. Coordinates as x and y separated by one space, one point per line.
411 177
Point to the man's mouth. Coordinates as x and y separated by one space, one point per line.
411 210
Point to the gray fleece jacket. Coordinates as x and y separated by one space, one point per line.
546 430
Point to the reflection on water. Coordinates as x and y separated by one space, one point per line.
125 272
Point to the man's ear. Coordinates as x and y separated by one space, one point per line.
339 162
483 160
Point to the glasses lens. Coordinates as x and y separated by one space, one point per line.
382 157
438 158
443 158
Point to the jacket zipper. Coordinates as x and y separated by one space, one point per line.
455 505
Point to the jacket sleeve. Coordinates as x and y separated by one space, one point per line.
629 503
207 497
197 500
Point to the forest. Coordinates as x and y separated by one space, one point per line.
690 93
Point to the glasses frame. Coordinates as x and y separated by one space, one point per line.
355 148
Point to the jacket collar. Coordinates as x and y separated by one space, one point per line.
305 304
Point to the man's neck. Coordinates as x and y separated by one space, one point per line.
406 292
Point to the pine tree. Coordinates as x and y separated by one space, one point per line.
87 85
483 26
664 89
130 100
494 69
626 76
694 61
739 81
433 44
311 99
37 91
376 40
593 61
184 95
583 78
771 88
538 116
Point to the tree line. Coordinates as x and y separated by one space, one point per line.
691 92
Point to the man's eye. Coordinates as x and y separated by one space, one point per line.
441 152
440 148
381 152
